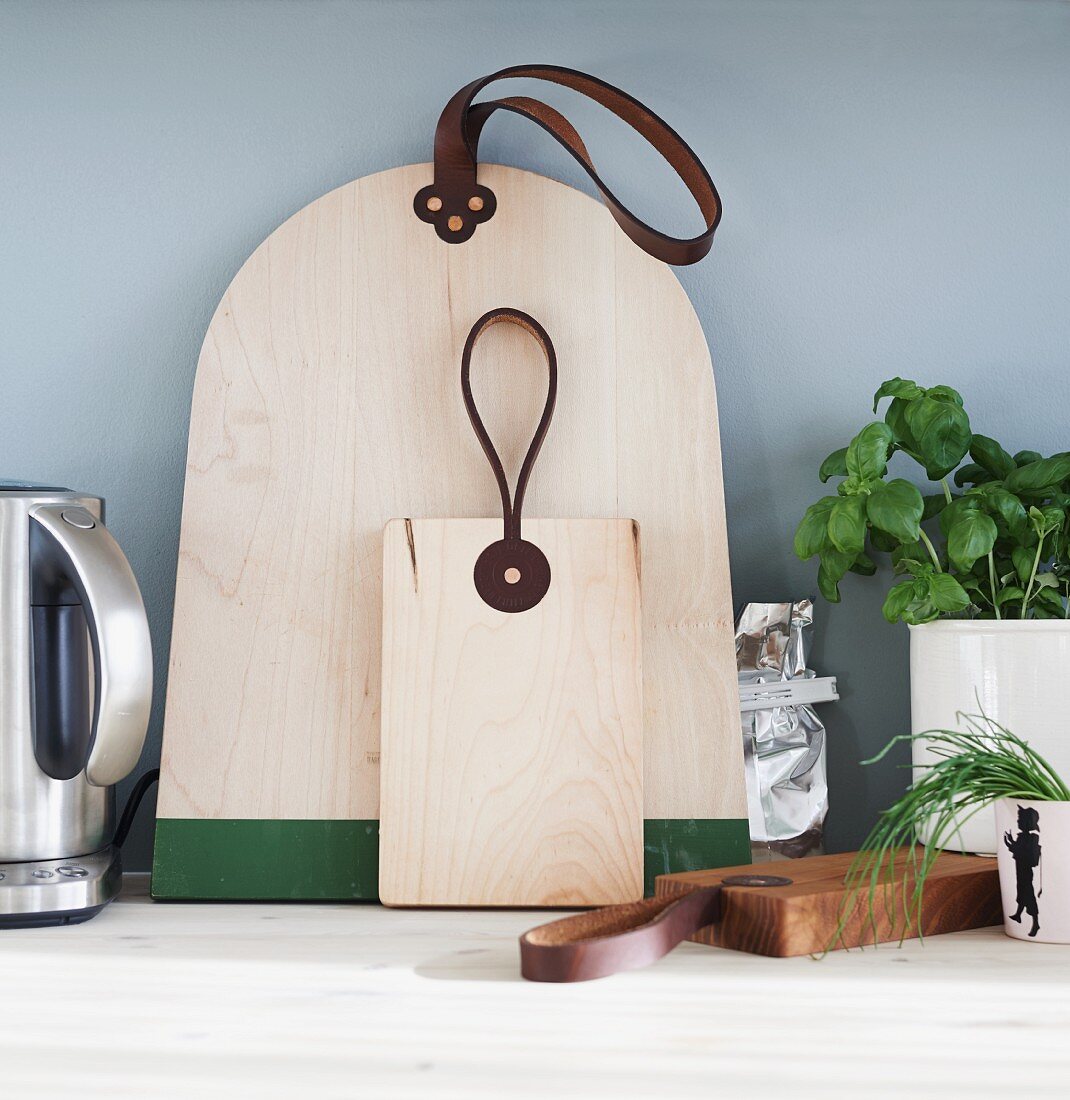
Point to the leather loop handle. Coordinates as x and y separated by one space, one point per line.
511 505
455 203
619 937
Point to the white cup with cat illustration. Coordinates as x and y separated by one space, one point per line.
1033 852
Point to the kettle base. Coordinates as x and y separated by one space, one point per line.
45 893
47 920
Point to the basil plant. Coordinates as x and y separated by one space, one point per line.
994 546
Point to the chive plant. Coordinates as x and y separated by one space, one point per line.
983 762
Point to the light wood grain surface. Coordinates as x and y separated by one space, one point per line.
512 744
339 1001
327 401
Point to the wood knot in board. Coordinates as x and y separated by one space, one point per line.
410 538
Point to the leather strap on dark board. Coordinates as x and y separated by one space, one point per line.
619 937
455 203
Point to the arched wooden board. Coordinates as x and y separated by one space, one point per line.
327 401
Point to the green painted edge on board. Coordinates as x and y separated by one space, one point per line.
259 860
314 860
673 844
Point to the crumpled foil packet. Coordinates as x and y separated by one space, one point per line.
783 746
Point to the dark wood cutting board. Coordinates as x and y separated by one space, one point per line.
960 892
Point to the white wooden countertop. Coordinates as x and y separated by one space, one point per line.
190 1001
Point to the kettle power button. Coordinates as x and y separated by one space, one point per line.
79 517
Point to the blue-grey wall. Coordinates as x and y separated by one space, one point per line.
896 183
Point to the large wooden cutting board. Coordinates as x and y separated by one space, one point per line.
326 402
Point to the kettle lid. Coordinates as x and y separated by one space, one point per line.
12 486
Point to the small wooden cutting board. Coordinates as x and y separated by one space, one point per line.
960 892
512 747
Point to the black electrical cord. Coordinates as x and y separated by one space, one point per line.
132 804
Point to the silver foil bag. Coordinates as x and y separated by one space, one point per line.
783 745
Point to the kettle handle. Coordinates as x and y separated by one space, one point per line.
118 633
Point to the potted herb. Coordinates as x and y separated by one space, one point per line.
973 768
981 561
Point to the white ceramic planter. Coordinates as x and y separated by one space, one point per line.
1016 672
1034 869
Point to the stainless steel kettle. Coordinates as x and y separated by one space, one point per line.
75 695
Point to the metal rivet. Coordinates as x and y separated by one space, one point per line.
434 204
455 224
475 203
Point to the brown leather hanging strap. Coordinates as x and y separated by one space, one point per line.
620 937
455 203
511 574
511 507
625 937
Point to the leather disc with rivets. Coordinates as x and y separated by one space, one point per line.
512 575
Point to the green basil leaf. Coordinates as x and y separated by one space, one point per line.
972 535
812 534
986 452
1045 520
867 454
1023 562
902 388
834 466
971 474
914 566
1054 516
979 570
973 586
920 611
946 593
898 599
830 572
1046 580
853 486
847 525
864 566
945 393
1007 506
1049 599
896 507
1035 477
1011 593
958 507
934 505
913 559
882 541
942 431
1024 457
896 419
